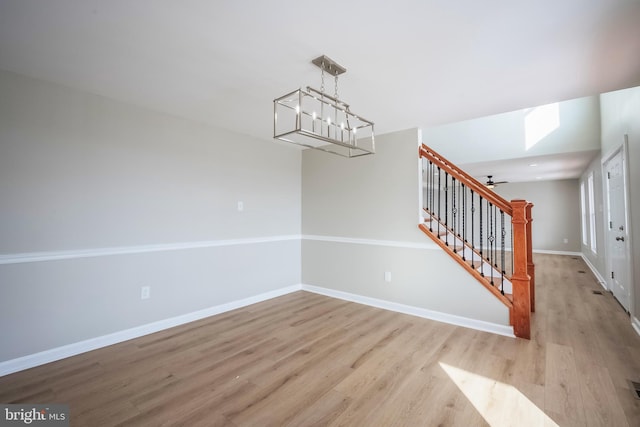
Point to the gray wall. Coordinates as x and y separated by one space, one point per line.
556 212
80 172
620 116
375 198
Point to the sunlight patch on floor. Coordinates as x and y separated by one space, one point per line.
499 404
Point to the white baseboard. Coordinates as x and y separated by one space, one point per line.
58 353
595 272
37 359
414 311
635 322
545 251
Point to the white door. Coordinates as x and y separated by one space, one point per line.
617 235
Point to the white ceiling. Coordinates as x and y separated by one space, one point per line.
527 169
411 63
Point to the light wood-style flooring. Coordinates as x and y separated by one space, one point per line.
306 360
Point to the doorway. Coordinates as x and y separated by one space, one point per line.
618 246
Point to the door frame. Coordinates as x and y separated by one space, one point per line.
624 150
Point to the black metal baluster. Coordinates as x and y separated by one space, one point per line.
439 201
473 229
423 186
430 187
430 195
481 240
464 225
430 192
491 238
495 241
446 207
460 217
503 234
433 193
454 213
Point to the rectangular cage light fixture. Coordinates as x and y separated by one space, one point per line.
313 119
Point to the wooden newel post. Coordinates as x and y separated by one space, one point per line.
531 269
520 279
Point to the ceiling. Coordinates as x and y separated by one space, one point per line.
527 169
411 63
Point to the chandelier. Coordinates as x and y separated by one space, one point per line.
312 118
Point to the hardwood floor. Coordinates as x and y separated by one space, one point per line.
305 359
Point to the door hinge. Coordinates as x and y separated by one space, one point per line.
608 175
612 275
610 225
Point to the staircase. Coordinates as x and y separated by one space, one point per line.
487 235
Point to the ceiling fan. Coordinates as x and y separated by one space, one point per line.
491 183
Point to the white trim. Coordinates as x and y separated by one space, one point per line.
123 250
406 244
373 242
414 311
635 322
549 252
595 272
37 359
593 240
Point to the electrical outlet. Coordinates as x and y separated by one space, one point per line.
387 276
240 206
565 240
145 292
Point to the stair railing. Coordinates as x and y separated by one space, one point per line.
488 235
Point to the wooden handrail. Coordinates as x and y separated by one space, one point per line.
467 179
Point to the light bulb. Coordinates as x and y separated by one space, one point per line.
297 109
342 125
329 120
313 115
355 130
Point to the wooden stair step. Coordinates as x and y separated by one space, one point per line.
475 263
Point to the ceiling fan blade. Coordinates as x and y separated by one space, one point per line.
500 182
